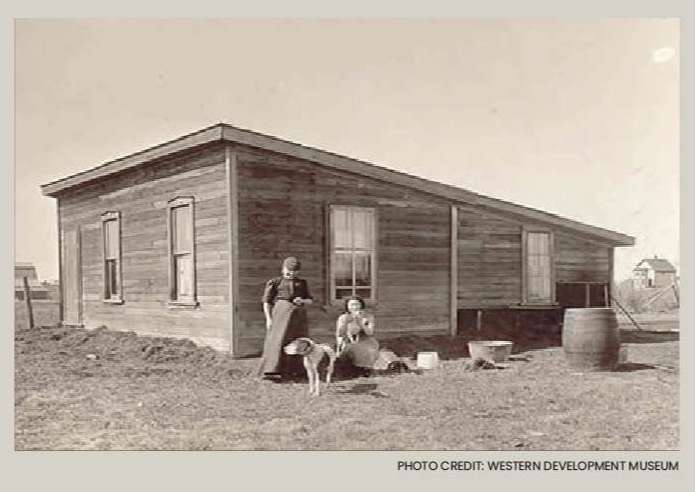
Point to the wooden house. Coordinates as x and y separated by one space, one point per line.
179 240
652 273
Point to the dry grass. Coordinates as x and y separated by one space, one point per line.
144 393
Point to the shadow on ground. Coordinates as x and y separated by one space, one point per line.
363 389
448 348
648 336
633 366
533 331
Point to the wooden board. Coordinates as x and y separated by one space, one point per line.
141 196
489 259
283 207
72 277
578 260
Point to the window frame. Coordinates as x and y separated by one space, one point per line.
173 299
526 230
372 299
111 216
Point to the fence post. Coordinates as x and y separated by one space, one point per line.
27 300
626 313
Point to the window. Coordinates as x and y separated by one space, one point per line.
353 253
111 234
182 289
539 287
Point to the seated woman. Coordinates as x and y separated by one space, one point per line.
357 347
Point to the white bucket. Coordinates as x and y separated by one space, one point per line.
622 355
428 360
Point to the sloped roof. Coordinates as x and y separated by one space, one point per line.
23 269
34 285
226 133
658 264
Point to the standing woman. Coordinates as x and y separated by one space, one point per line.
285 319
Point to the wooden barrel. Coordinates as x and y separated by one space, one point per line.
590 339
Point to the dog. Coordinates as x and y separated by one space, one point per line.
352 335
343 341
313 353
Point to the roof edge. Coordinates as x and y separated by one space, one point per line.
340 162
185 142
226 132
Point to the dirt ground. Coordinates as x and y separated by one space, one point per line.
99 390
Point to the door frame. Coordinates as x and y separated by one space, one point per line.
78 275
524 265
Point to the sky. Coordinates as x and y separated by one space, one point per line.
578 118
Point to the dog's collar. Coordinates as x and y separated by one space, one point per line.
310 348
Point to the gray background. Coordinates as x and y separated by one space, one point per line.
343 470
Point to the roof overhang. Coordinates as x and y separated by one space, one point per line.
227 133
166 149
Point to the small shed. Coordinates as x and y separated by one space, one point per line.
179 240
653 273
37 290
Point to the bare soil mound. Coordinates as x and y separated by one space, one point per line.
114 353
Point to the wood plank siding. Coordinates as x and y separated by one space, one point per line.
490 259
141 196
283 207
579 260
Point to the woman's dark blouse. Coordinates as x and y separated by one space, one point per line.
280 288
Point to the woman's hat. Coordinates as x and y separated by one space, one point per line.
292 264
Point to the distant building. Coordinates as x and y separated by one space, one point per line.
38 290
653 272
53 288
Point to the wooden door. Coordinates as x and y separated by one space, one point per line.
539 267
72 278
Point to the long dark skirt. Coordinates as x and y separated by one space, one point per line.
362 354
289 322
365 358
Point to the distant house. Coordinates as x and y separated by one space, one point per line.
44 309
53 288
38 290
653 272
179 240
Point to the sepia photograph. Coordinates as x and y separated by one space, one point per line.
347 234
